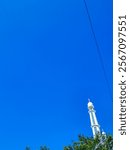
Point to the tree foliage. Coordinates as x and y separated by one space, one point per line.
92 144
41 148
85 143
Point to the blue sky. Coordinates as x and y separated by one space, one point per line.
49 67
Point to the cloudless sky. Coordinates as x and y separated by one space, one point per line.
49 67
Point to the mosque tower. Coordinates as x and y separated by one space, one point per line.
94 123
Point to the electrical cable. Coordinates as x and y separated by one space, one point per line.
98 48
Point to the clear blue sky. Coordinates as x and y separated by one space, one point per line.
49 67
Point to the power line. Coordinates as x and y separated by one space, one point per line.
98 48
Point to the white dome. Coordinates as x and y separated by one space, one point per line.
90 105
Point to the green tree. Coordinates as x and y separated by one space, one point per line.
85 143
91 144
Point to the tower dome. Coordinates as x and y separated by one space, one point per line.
90 105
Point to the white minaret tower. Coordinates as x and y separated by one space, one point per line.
94 123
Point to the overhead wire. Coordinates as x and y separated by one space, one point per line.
98 48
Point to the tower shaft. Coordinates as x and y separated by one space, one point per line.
93 119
